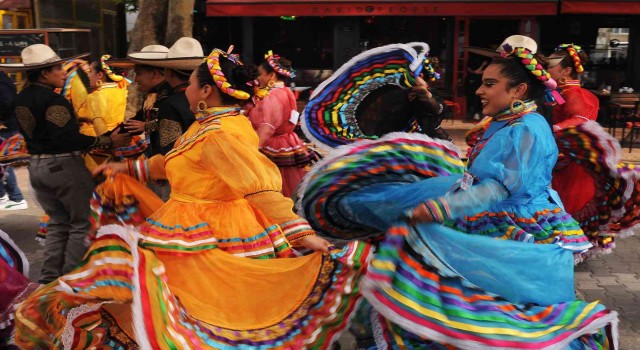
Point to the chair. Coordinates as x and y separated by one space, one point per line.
633 124
620 110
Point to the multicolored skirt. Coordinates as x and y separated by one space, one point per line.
13 151
124 296
615 207
436 286
397 158
287 150
15 286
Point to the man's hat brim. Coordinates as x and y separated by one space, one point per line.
182 63
482 51
21 67
123 63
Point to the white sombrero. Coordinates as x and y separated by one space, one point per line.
35 57
150 52
185 54
514 41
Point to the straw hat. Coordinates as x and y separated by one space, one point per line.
150 52
35 57
185 54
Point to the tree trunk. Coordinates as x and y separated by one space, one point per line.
151 24
179 21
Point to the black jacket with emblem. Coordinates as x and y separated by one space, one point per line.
172 117
48 123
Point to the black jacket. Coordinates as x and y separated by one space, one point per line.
48 122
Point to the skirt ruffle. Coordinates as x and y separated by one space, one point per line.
161 303
615 207
394 158
14 283
184 227
428 289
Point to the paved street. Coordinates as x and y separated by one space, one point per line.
613 279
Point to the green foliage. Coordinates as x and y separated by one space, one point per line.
129 5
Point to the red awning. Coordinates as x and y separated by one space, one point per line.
15 4
379 8
600 7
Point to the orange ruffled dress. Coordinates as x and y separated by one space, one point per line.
197 273
574 185
284 148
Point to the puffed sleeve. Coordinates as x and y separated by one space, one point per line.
269 111
579 107
251 175
97 108
78 94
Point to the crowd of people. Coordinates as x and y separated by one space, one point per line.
199 222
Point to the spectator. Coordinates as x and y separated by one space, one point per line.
10 196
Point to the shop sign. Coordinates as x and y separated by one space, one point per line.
12 44
317 8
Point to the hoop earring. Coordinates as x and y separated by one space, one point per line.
562 81
517 106
271 83
99 83
202 106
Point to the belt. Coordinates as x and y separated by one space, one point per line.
58 155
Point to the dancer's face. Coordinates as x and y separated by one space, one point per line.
495 93
557 71
265 77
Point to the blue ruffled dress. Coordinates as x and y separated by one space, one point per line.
498 273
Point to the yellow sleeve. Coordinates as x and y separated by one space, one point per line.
98 110
78 94
156 167
250 174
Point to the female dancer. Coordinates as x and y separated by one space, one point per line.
200 272
274 117
474 268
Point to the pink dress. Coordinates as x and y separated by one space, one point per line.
284 148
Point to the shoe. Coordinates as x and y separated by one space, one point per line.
11 205
4 199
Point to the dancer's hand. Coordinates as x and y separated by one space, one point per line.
110 168
314 243
419 214
134 126
118 139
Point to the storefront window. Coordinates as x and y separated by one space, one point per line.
608 59
306 41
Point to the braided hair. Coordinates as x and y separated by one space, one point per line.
523 66
572 56
281 66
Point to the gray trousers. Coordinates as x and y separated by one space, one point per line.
63 186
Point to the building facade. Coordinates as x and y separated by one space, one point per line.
320 35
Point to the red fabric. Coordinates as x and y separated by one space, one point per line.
579 102
575 187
